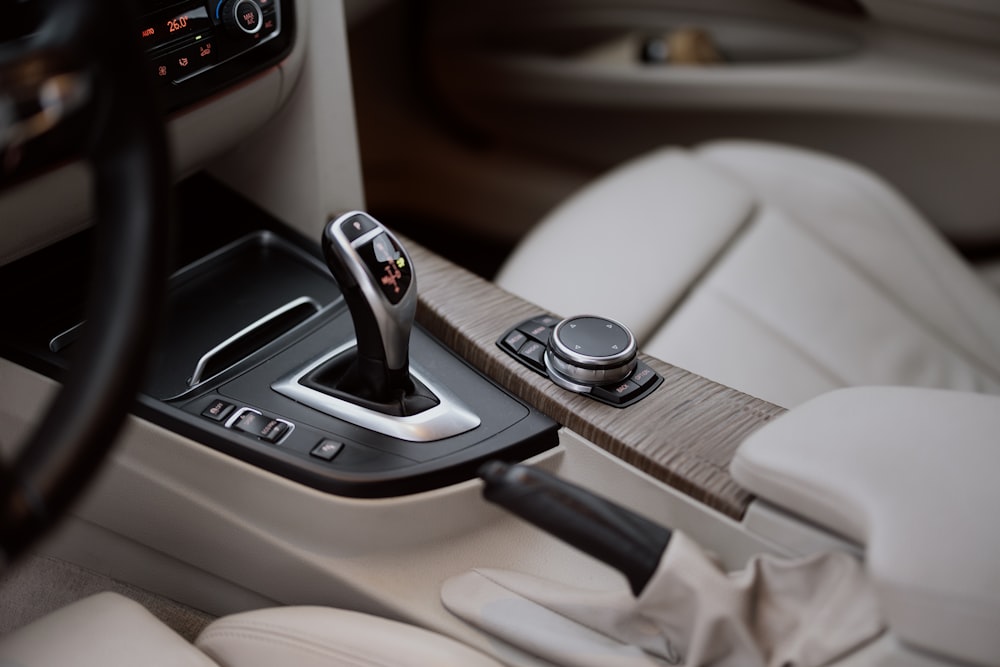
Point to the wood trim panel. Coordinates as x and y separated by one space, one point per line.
684 434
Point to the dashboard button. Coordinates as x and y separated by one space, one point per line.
217 410
242 16
327 449
269 25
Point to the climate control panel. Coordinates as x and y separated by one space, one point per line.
199 46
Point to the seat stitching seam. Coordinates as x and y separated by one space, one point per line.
960 351
980 366
283 638
818 364
739 233
873 197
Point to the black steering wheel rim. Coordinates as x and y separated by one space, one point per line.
97 43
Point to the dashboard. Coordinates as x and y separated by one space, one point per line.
221 83
199 47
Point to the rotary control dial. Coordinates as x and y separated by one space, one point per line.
242 16
588 351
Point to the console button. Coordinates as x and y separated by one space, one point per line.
266 428
514 340
536 330
546 321
327 449
273 430
643 375
617 393
532 352
217 410
356 227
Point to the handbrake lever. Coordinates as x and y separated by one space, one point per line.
628 542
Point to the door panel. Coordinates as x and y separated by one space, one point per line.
564 80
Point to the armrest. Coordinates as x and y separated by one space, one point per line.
912 475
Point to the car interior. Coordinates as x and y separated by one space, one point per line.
551 332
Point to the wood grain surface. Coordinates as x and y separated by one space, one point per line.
684 433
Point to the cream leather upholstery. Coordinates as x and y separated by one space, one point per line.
108 630
325 637
774 270
911 474
104 630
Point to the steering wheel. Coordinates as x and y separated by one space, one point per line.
85 62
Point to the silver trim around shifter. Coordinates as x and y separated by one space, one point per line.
199 369
449 418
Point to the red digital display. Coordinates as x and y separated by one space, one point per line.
164 26
178 23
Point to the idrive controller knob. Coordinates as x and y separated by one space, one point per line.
588 351
585 354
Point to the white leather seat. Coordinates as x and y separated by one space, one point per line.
108 630
775 270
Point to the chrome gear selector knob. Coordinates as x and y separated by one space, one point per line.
376 276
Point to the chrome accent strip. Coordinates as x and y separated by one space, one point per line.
449 418
61 341
581 380
199 369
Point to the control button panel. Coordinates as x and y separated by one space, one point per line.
248 421
251 422
196 47
589 355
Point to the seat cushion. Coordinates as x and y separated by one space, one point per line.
774 270
104 630
325 637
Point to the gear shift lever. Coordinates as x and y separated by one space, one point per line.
380 288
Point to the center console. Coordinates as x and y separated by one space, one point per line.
267 357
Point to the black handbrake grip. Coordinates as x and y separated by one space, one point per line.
628 542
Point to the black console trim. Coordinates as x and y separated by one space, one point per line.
286 437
